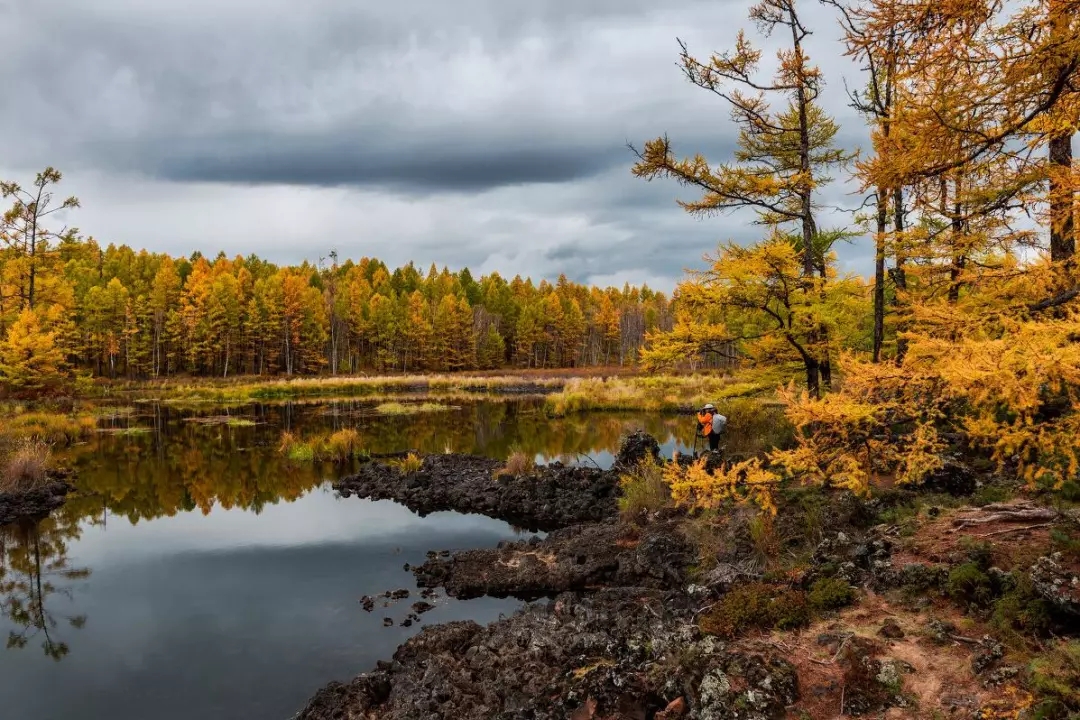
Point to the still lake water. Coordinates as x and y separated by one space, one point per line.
199 574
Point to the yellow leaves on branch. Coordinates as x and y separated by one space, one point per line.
748 481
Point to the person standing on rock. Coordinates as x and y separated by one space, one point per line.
711 425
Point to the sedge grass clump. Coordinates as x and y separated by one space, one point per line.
338 447
343 444
518 464
26 466
643 488
409 464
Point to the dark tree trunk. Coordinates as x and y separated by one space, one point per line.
1062 208
879 272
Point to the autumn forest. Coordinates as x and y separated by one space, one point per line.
68 303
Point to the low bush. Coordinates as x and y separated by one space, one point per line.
756 605
1021 614
1055 678
968 585
830 594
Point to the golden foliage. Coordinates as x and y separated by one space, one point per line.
747 481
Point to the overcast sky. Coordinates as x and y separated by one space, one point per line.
486 133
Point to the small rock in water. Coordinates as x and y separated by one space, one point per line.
368 603
422 607
407 567
407 622
397 594
387 622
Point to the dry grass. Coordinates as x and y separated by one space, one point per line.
254 389
519 463
53 428
337 447
409 464
26 467
643 489
654 393
399 408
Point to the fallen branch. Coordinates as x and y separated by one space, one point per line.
1015 529
961 638
999 512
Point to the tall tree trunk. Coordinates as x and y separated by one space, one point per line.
1062 205
879 272
901 260
958 257
813 375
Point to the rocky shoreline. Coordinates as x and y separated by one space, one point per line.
36 503
624 621
551 497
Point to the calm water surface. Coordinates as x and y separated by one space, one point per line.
199 574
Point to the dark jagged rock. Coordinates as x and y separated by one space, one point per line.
420 607
614 653
551 497
574 558
1057 585
33 504
635 447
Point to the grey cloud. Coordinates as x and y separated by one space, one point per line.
482 133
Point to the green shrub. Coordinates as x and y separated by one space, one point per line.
830 594
1021 613
756 605
969 585
1070 491
1066 543
980 552
1055 679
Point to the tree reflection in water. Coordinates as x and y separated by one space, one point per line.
34 567
155 463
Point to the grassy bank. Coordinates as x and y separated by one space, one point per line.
27 439
242 390
657 393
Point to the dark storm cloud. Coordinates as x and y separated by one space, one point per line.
480 132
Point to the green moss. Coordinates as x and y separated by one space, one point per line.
831 594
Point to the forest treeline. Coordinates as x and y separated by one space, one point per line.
67 304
